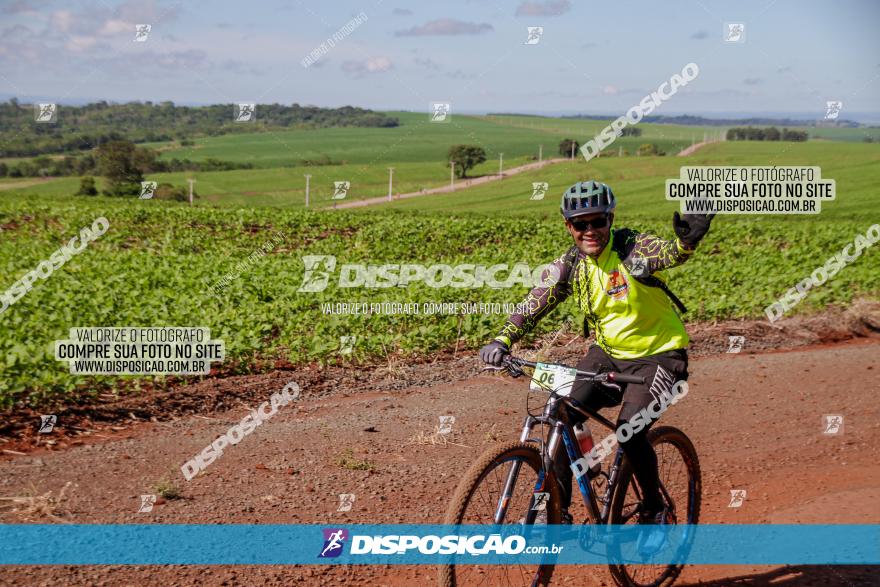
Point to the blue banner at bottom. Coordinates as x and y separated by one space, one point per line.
201 544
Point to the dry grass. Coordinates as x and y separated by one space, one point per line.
37 506
436 439
393 367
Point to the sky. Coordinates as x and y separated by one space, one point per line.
592 57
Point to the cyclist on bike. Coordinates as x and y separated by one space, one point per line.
630 310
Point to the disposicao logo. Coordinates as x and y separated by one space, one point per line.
320 268
334 538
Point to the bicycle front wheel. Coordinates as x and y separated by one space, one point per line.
480 499
682 489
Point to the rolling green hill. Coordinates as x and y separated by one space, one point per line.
639 181
416 148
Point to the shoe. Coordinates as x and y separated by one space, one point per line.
652 540
653 517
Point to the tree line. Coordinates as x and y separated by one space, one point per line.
80 128
690 120
765 134
45 166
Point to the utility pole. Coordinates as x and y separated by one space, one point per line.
501 164
191 182
572 149
308 177
390 178
540 153
452 175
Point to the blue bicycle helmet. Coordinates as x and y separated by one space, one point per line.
587 197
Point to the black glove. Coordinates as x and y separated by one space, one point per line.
691 228
494 352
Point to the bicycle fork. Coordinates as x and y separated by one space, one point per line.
513 475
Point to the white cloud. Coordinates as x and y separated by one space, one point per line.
549 8
147 11
80 43
445 27
114 26
24 6
372 65
61 20
378 64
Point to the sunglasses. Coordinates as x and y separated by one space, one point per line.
582 224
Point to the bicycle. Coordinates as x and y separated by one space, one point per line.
486 493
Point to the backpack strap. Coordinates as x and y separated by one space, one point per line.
571 255
618 243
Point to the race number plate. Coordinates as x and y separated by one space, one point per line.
553 378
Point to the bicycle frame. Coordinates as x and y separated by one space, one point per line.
562 429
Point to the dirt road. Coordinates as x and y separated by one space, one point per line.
467 183
461 184
756 420
693 148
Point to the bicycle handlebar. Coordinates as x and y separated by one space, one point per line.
513 366
621 378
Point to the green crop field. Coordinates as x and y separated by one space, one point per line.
278 186
846 134
416 139
584 129
419 140
155 267
156 264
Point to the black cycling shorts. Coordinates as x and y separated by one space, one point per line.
660 371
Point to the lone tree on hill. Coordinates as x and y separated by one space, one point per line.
565 148
465 157
120 163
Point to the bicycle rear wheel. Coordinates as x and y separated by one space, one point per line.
680 478
477 499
